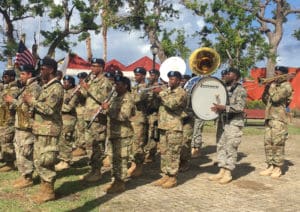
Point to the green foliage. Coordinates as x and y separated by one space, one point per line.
255 104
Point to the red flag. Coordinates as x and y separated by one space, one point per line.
24 56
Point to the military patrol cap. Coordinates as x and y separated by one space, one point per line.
234 70
283 69
154 71
140 70
175 74
224 72
125 80
9 72
70 79
118 73
99 61
109 74
186 76
47 61
82 75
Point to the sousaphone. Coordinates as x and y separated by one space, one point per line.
172 64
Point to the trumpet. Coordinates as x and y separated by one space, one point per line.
283 77
149 88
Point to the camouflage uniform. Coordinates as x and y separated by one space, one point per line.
99 88
120 133
188 126
277 97
232 134
24 138
69 120
173 104
139 122
197 133
80 123
7 121
47 127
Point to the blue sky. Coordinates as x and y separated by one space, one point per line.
129 47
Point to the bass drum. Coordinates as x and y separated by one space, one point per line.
206 92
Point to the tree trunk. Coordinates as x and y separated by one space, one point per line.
89 48
104 28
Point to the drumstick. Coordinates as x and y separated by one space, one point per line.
218 100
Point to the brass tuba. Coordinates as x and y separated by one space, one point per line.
204 61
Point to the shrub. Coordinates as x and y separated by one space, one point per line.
255 104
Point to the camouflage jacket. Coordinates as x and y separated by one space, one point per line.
7 113
153 100
68 110
171 110
47 109
121 110
237 101
276 98
140 101
99 88
24 115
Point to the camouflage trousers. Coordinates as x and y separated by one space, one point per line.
45 156
170 149
276 134
95 144
79 132
24 141
66 141
121 151
197 133
227 147
220 130
185 154
139 141
153 135
7 149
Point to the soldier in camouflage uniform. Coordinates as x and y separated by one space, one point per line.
7 121
120 109
152 113
68 112
46 127
170 123
96 91
234 121
197 137
24 138
80 123
139 123
277 96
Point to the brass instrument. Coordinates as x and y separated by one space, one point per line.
150 88
204 61
67 100
282 77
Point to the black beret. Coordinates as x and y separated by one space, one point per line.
186 76
118 73
99 61
71 79
283 69
154 71
82 75
234 70
9 72
224 72
27 68
47 61
140 70
109 74
125 80
174 74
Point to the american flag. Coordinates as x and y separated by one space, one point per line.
24 56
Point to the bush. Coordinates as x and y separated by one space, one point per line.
296 112
255 104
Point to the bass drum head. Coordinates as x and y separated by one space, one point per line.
171 64
207 91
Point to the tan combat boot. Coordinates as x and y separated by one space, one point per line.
267 172
227 177
131 169
93 176
135 170
160 181
45 194
117 186
170 183
276 173
196 153
8 167
218 176
23 182
106 162
62 165
78 152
